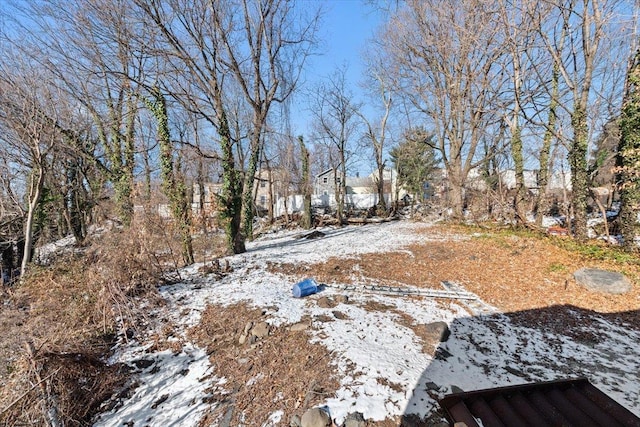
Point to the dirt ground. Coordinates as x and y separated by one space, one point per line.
517 274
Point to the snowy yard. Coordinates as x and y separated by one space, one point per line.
383 365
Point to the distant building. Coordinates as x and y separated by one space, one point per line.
271 185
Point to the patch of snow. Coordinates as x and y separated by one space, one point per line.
274 419
44 253
170 391
384 369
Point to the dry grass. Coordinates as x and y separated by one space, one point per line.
512 272
527 276
70 314
73 310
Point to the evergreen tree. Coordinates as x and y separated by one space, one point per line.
415 161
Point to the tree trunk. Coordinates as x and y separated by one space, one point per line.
579 173
518 162
37 182
172 185
456 192
307 219
247 195
230 199
542 204
382 205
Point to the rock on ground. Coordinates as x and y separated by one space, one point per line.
437 332
602 281
355 419
316 417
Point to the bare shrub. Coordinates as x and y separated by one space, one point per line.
75 309
59 389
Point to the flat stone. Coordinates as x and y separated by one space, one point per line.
301 326
260 330
456 389
315 417
325 302
432 386
295 421
226 419
248 327
339 315
602 281
355 419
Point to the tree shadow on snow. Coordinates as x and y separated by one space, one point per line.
552 343
298 241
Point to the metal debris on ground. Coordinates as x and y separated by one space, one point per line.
477 306
408 291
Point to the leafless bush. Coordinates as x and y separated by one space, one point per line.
76 307
59 389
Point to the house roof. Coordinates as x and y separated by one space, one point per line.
359 182
325 172
567 402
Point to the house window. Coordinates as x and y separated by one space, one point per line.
325 180
338 180
263 200
263 184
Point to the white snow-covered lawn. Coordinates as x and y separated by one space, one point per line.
385 371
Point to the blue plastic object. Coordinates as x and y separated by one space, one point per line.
304 288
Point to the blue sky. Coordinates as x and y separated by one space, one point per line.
346 27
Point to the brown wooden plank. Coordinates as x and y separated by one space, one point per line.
481 409
460 412
544 407
596 413
569 410
527 411
613 408
507 414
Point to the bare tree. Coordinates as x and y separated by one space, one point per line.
86 48
377 134
583 27
258 47
335 123
25 111
445 58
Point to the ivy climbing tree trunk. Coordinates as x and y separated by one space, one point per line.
579 174
545 151
518 163
173 184
307 219
230 198
628 158
247 193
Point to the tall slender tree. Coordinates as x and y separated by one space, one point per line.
628 158
173 184
445 59
255 47
336 121
25 111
